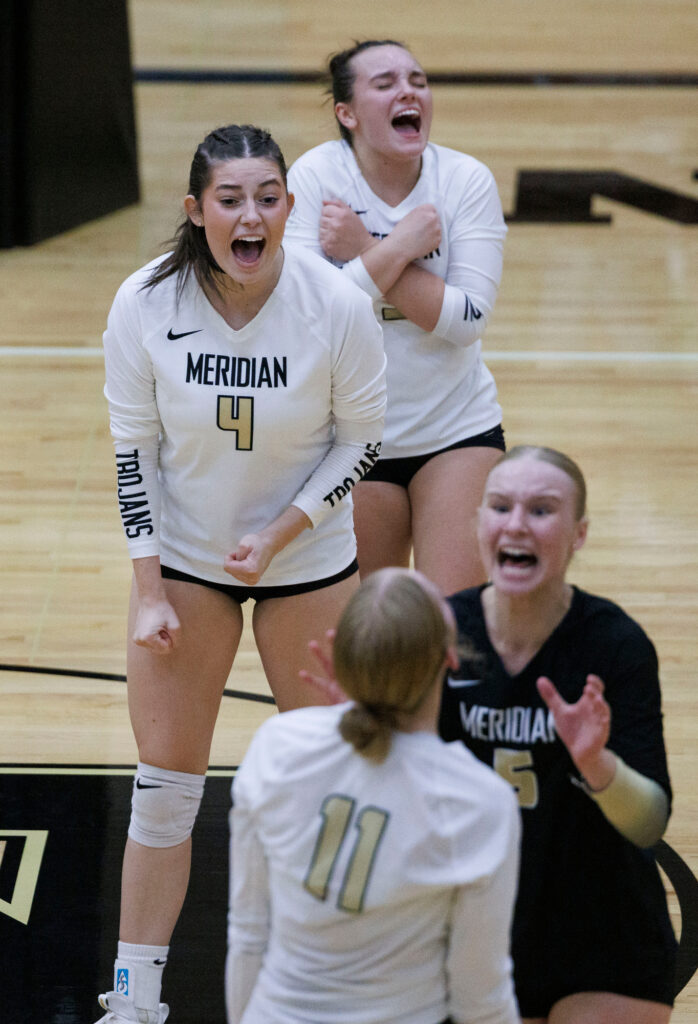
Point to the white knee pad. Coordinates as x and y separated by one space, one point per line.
164 805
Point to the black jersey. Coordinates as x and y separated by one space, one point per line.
583 887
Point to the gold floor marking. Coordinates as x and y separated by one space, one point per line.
19 907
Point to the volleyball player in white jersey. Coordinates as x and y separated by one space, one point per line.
373 867
246 394
420 228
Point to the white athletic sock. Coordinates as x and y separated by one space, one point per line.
138 973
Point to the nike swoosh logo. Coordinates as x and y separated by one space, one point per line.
159 963
461 684
144 785
359 212
173 337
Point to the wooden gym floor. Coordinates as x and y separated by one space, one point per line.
593 344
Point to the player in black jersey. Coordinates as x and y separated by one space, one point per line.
559 692
561 696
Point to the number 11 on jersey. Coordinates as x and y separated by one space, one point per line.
370 823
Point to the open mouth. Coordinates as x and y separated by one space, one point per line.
248 250
407 122
517 558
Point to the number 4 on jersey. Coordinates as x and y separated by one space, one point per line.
237 414
336 813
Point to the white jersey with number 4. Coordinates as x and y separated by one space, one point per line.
368 893
218 430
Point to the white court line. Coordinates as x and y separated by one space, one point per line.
38 351
491 356
590 357
57 769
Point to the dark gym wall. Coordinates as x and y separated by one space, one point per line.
67 126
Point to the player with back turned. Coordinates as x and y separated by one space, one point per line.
373 867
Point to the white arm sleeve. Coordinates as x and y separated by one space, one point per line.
358 406
303 225
479 965
138 492
356 270
135 426
130 382
248 917
476 241
342 468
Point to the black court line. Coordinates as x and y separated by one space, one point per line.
269 76
686 888
260 698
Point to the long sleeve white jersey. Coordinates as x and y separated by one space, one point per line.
366 893
439 389
217 430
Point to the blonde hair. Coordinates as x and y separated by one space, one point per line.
390 646
561 461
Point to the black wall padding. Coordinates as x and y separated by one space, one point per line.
67 127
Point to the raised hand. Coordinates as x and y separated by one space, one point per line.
584 728
325 681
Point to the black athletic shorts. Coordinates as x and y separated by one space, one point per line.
241 593
401 471
635 972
